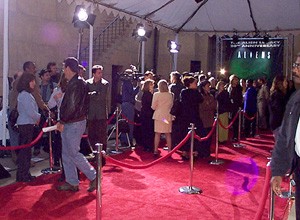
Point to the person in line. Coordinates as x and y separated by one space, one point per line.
277 103
263 95
162 103
190 98
250 109
29 67
224 107
175 87
72 124
54 104
54 75
147 123
27 119
98 107
286 153
236 99
207 110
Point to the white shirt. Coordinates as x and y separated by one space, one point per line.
297 139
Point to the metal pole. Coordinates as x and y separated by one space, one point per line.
5 71
238 144
80 30
143 58
91 51
117 150
217 161
191 189
175 56
99 181
272 200
50 169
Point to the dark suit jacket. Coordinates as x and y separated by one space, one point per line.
284 150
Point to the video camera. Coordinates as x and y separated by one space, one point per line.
131 74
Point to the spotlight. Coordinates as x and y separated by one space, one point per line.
141 33
222 71
83 19
173 46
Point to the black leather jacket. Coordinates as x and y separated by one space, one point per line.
75 102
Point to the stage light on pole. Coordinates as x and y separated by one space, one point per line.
82 14
173 46
141 31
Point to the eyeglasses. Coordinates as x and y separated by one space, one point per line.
296 65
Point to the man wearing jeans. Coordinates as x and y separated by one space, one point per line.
72 125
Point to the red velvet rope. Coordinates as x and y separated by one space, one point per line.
25 145
265 194
231 123
209 134
247 116
129 121
111 118
122 164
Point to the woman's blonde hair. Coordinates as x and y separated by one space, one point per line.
163 86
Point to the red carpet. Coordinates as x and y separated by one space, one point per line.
230 191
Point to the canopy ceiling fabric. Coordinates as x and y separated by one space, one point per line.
213 15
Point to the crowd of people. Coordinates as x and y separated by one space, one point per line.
198 99
162 107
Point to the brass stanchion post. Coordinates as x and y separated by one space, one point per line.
99 181
191 189
217 161
238 144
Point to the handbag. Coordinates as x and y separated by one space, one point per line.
12 118
176 108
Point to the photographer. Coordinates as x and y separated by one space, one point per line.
129 91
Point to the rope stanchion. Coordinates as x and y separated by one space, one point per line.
208 135
99 181
238 144
217 161
247 116
50 170
130 122
111 118
190 189
231 123
264 196
122 164
25 145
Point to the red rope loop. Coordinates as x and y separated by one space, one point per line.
111 118
247 116
209 134
231 123
265 194
122 164
25 145
129 121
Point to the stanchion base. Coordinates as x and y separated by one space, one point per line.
287 195
238 145
116 151
216 162
50 170
190 190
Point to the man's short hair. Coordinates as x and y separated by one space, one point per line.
27 64
43 71
72 63
50 64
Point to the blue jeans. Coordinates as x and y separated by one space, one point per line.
71 157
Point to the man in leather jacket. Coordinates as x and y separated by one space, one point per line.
286 153
72 125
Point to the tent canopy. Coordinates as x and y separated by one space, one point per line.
214 15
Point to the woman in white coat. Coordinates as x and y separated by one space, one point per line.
162 103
